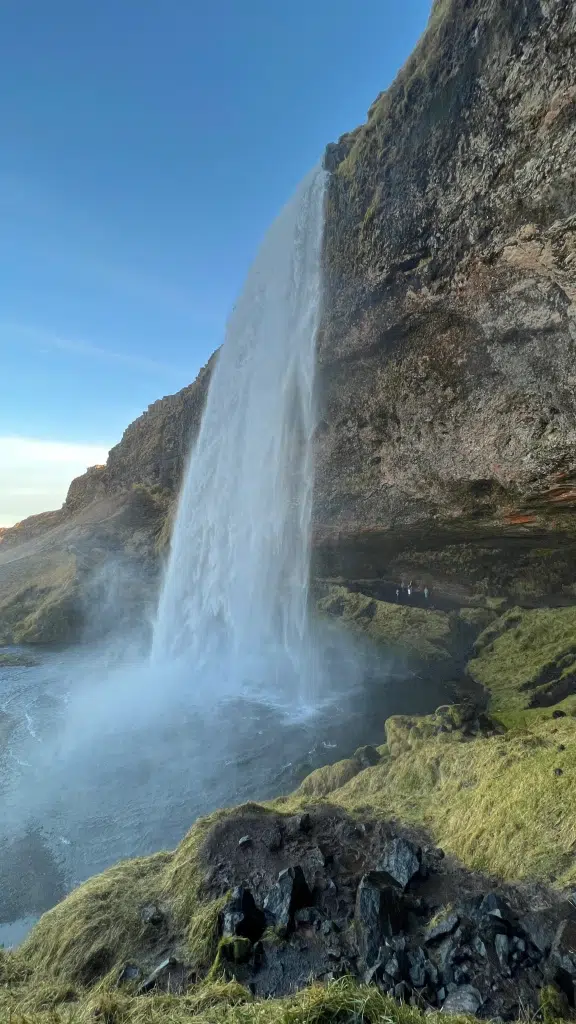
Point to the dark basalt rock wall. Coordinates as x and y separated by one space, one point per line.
449 333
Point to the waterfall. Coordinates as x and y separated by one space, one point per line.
234 603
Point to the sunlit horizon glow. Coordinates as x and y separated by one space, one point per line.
35 474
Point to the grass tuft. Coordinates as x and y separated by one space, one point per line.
527 660
325 780
341 1002
501 804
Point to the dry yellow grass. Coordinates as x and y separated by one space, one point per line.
342 1002
98 927
497 804
503 804
325 780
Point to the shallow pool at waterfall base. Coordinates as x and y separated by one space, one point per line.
80 790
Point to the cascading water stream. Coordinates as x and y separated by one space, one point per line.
235 595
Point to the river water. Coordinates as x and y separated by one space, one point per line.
99 761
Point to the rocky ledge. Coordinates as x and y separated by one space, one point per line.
446 447
361 899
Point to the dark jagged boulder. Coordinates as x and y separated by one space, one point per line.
539 928
290 893
241 917
363 898
464 1000
441 925
494 906
378 915
367 756
420 969
399 863
562 960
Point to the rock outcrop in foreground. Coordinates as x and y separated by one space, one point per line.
466 908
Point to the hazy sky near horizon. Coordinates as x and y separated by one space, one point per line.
145 147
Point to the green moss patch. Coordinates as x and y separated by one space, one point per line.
325 780
501 804
527 660
419 632
455 722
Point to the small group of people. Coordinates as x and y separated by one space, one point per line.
408 588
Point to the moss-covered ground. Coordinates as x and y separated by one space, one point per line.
417 632
500 803
91 934
527 661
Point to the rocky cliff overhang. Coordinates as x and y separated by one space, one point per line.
447 346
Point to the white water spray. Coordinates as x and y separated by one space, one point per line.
235 595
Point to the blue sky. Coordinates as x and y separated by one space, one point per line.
145 147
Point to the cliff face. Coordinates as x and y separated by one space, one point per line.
449 335
153 448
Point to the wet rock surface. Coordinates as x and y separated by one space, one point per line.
336 896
